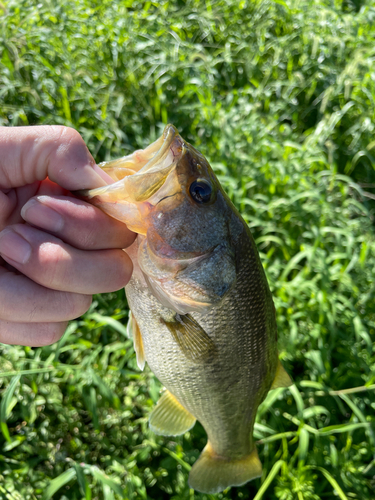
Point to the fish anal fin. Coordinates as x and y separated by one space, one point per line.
134 333
282 379
169 417
194 342
212 473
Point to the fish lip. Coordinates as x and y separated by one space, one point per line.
170 133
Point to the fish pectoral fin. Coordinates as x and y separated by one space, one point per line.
134 333
212 473
169 417
194 342
281 379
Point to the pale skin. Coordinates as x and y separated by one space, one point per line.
55 250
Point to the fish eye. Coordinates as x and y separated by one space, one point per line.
201 191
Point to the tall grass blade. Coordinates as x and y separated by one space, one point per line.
331 480
57 483
6 406
270 477
105 480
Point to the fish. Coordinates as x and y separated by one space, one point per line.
201 311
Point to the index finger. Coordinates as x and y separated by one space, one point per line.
30 154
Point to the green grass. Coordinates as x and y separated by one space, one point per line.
279 95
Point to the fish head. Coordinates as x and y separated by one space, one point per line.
188 228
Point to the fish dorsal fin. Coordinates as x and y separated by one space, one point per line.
169 417
281 379
134 333
194 342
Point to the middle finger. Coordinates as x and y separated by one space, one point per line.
49 261
76 222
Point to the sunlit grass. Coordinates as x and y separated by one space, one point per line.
280 98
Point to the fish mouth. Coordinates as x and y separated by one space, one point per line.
138 177
169 143
142 172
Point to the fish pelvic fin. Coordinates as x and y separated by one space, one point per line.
212 473
169 417
134 333
281 379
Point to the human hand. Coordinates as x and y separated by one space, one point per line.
55 250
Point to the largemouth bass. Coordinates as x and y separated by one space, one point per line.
202 314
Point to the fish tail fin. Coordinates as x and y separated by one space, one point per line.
212 473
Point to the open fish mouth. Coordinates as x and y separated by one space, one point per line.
137 178
142 173
148 159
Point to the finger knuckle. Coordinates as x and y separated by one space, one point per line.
51 268
62 133
87 238
66 143
71 135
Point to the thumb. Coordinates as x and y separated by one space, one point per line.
29 154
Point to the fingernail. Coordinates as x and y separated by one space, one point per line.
14 247
40 215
